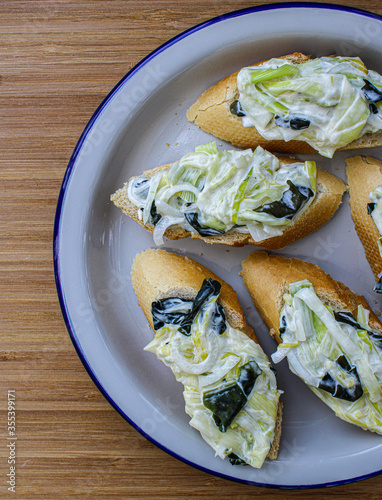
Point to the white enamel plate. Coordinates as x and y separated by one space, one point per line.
141 124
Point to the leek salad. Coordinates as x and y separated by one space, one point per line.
374 208
327 102
212 192
337 355
229 388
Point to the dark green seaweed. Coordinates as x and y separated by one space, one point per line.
293 123
235 460
283 325
372 93
236 108
217 320
378 285
193 219
228 400
370 208
210 288
225 403
378 288
348 318
155 217
373 108
329 384
164 311
292 201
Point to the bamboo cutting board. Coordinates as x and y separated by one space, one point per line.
58 60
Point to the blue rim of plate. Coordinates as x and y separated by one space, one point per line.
61 199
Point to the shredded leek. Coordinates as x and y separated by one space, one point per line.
339 358
323 102
206 361
216 191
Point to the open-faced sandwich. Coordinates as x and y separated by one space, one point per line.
295 104
330 336
365 188
230 389
232 198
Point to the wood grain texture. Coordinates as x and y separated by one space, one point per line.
58 60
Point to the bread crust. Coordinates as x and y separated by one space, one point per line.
328 198
267 278
157 274
211 112
365 174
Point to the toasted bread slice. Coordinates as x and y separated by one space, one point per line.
211 112
267 278
157 274
328 198
364 175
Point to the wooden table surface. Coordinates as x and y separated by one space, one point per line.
58 60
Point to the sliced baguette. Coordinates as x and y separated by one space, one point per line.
328 198
364 175
211 112
267 278
157 274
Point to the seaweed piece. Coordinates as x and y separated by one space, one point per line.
235 460
217 320
283 325
172 310
373 108
293 123
155 217
370 208
210 288
372 93
292 201
236 108
228 400
348 318
166 311
378 289
193 219
329 384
